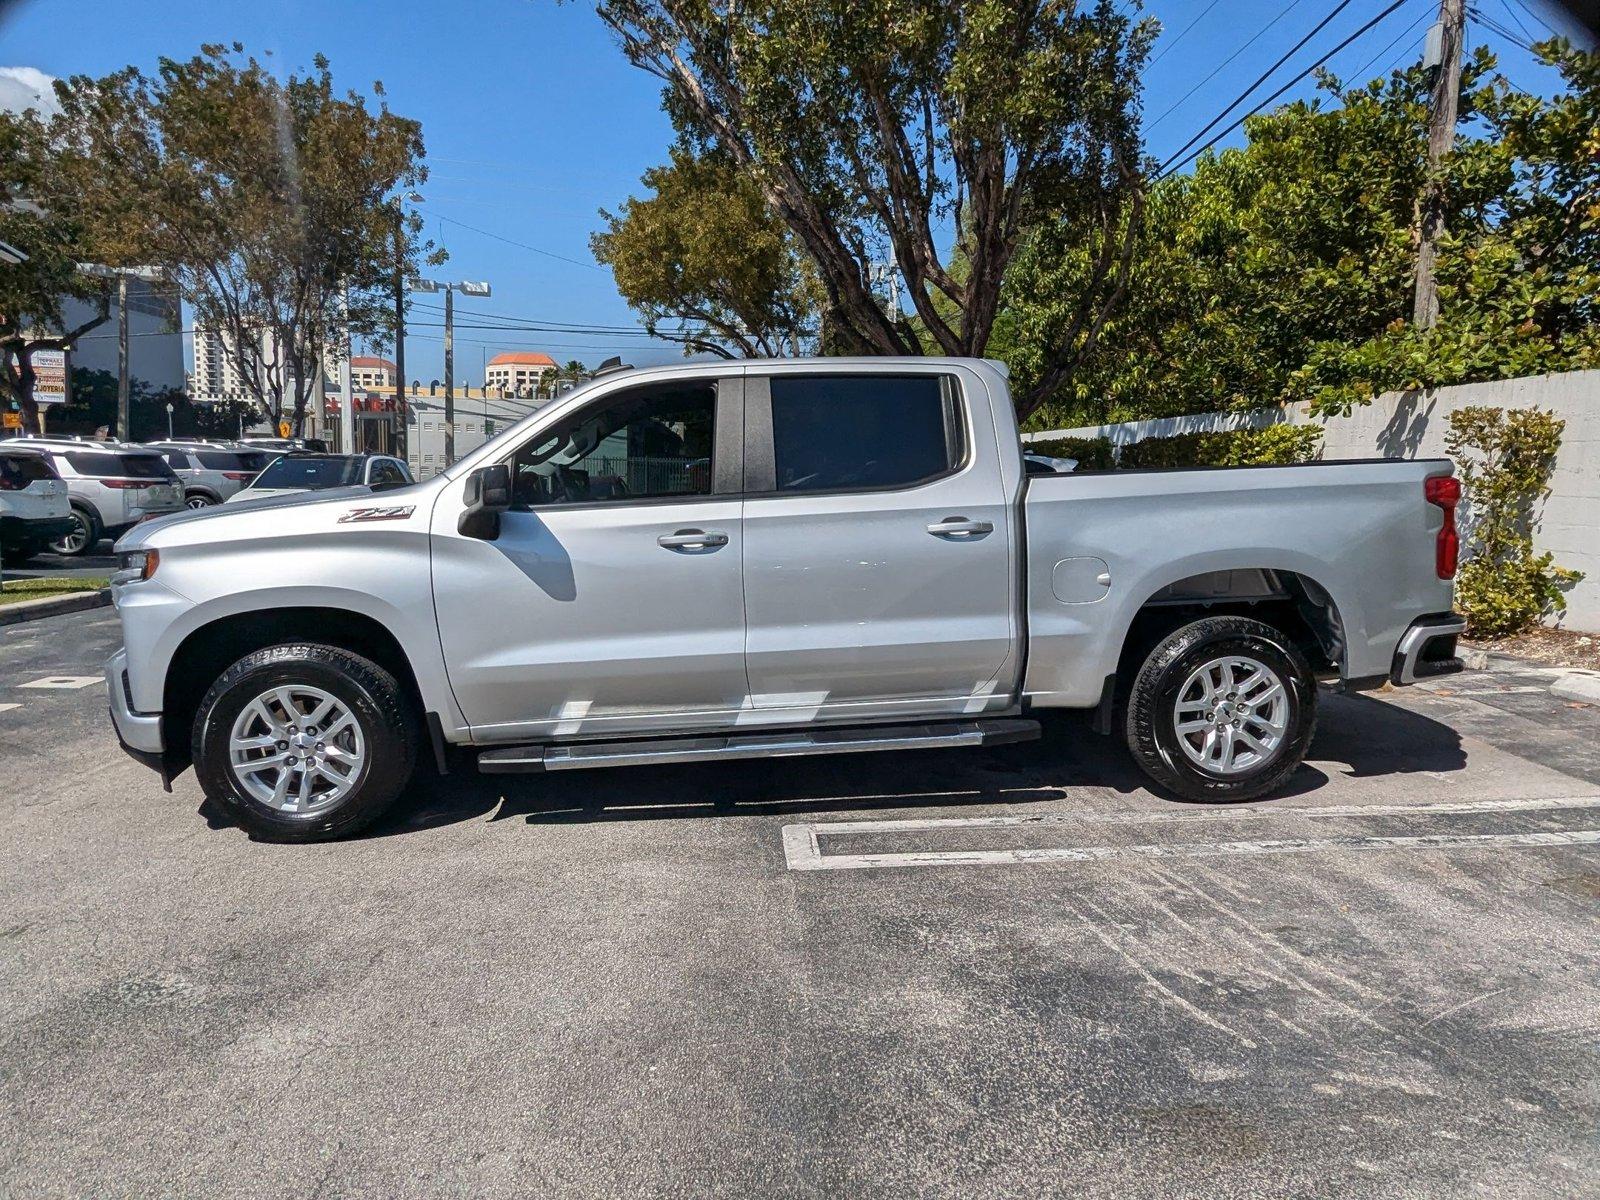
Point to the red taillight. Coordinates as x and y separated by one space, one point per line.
13 485
1445 492
129 484
238 474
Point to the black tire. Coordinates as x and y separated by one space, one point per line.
88 527
1152 732
388 724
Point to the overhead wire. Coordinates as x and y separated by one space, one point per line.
1174 163
1175 105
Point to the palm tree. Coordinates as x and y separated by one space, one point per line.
574 372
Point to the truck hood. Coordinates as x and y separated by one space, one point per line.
140 535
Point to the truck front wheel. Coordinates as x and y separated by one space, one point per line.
304 742
1222 709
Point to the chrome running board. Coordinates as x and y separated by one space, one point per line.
507 760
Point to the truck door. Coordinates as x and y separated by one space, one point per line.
612 599
877 545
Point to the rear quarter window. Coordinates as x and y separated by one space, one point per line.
19 470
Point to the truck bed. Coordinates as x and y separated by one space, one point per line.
1100 545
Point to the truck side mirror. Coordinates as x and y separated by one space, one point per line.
488 494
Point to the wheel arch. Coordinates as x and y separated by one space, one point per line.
211 648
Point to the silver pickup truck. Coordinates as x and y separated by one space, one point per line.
756 559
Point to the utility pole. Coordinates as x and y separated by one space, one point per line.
123 432
1443 53
449 377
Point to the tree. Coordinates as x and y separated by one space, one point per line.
38 219
268 202
707 252
933 133
574 372
1283 270
94 404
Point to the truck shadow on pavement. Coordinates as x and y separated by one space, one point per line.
1369 737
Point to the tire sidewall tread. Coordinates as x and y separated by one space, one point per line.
1151 739
388 724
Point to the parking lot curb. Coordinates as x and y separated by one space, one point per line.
1583 686
51 606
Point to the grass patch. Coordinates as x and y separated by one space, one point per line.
17 590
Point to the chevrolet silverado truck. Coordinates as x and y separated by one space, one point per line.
762 559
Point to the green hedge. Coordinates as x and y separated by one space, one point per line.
1227 448
1093 454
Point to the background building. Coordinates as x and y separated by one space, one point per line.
369 373
518 371
155 340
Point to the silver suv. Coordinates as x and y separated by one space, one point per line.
112 487
211 472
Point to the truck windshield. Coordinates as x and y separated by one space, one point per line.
313 471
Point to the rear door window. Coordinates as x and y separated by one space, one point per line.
835 433
17 471
220 460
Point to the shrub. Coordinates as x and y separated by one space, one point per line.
1227 448
1504 459
1093 454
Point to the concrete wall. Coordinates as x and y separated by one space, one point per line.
1413 425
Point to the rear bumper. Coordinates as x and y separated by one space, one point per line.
15 529
1427 649
139 733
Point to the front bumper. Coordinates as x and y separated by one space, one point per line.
1427 649
139 733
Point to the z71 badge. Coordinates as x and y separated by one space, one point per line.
394 513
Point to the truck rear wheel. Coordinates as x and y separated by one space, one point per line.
304 742
1222 709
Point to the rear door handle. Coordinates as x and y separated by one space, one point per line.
692 539
960 527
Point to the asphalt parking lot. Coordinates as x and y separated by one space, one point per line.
1009 973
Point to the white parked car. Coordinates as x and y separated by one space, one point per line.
305 472
111 486
34 510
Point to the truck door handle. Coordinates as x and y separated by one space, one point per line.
960 527
692 539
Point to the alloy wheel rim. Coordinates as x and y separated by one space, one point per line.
1231 715
197 502
296 749
75 540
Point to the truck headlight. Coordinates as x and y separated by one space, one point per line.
134 565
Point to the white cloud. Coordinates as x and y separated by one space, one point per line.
27 87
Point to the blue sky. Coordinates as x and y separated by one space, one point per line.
533 121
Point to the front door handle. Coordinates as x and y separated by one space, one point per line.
960 527
692 539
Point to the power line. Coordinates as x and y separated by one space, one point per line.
1495 27
1512 13
1536 17
1169 166
575 326
520 245
1262 78
1409 31
1179 36
1218 68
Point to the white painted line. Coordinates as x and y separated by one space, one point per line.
68 682
8 707
1212 813
969 858
803 851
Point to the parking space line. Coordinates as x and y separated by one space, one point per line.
64 682
970 858
803 851
8 707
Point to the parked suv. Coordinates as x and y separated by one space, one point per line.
33 504
211 472
112 486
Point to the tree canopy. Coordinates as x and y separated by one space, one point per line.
267 201
1283 270
707 263
934 135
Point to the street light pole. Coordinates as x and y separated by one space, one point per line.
169 420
